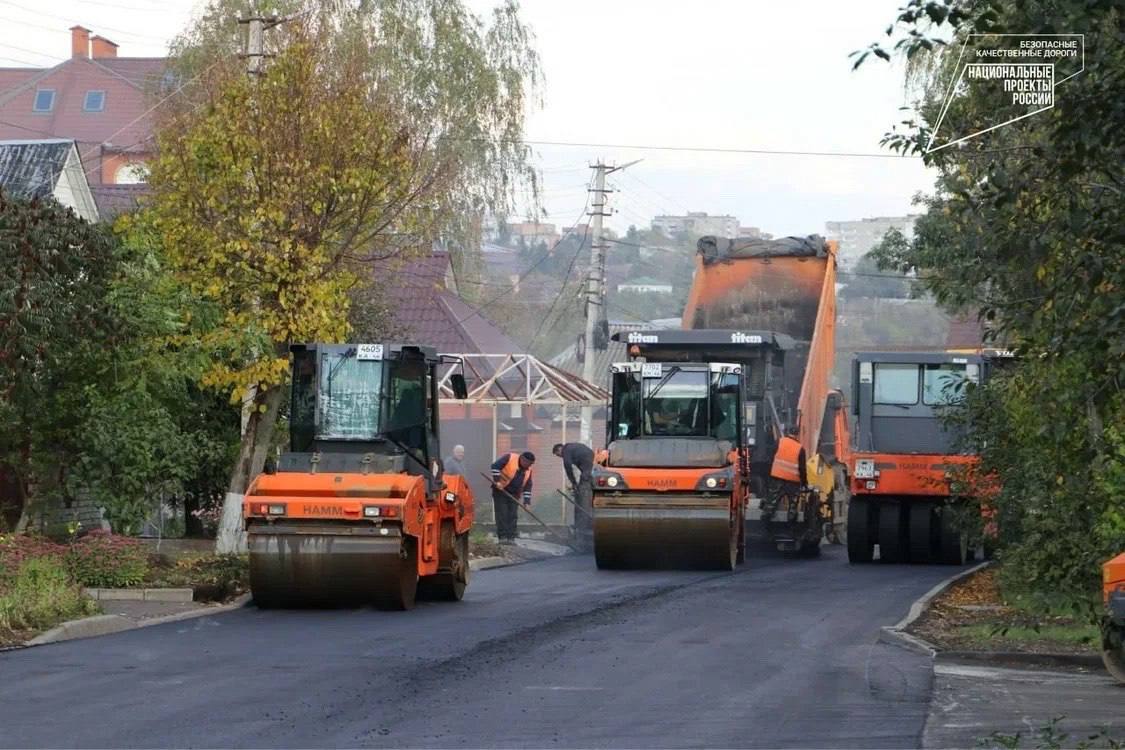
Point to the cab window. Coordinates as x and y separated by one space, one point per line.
943 384
896 383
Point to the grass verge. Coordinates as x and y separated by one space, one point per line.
974 614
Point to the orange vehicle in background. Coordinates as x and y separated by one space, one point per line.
907 456
719 430
358 510
1113 631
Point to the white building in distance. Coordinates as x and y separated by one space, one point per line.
857 238
698 223
645 285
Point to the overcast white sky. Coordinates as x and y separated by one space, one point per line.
715 73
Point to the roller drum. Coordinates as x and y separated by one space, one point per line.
304 566
664 534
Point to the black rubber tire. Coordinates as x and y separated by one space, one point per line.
1113 651
924 540
952 546
861 545
448 585
403 594
892 537
741 532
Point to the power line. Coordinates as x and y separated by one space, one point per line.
38 12
718 150
527 273
566 280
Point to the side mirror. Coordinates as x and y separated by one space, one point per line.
457 383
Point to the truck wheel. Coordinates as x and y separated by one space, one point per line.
892 540
861 547
924 541
1113 650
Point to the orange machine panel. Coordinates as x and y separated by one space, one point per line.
898 474
339 497
1113 576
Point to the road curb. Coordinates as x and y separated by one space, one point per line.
486 563
140 595
896 634
98 625
86 627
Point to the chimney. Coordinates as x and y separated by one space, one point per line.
101 47
79 41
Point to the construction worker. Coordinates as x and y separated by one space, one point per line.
511 480
577 455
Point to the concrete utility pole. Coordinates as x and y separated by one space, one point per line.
595 291
255 40
595 295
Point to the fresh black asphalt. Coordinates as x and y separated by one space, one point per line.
554 653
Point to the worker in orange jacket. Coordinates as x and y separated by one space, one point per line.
511 478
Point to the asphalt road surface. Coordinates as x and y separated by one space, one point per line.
547 654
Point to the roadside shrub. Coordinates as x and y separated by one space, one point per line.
41 595
107 560
217 577
16 549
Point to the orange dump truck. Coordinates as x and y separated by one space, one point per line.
358 510
720 428
1113 633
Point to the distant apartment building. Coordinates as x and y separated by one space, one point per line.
753 233
645 285
533 232
698 223
857 238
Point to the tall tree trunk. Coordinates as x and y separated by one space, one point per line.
256 438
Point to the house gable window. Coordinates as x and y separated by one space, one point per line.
133 173
44 100
95 101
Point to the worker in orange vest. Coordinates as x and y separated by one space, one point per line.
511 478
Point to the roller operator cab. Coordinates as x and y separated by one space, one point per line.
907 454
359 510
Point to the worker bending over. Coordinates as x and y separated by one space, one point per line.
577 455
511 479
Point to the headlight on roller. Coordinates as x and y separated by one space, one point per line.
372 511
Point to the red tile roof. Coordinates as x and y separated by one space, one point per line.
965 332
427 309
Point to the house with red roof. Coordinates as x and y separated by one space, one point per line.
98 99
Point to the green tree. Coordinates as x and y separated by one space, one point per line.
1027 226
54 322
373 130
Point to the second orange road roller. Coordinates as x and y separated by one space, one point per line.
727 427
359 511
